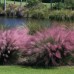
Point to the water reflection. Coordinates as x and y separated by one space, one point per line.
13 22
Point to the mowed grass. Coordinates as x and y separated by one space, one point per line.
29 70
24 3
17 3
12 2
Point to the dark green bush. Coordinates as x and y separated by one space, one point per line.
39 12
38 15
69 4
9 57
33 2
1 5
59 6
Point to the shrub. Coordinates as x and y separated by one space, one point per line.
11 41
11 10
50 47
2 27
39 12
1 5
59 6
36 25
1 10
33 2
69 4
38 15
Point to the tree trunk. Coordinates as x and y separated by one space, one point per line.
14 1
5 5
21 3
26 2
0 1
58 4
51 4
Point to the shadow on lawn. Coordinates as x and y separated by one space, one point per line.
40 67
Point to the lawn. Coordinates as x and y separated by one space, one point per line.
17 3
24 3
29 70
12 2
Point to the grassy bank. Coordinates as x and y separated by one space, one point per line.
40 11
12 2
63 15
28 70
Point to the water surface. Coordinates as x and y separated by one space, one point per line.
13 22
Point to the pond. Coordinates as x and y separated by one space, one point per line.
13 22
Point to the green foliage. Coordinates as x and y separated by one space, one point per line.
2 27
1 5
39 12
9 57
33 2
1 10
59 6
13 0
69 4
62 15
38 15
34 26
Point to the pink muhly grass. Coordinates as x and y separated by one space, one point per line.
57 42
13 40
50 45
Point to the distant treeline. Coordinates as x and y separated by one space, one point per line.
48 1
45 1
17 0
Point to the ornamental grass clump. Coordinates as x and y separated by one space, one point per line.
53 46
48 47
11 41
